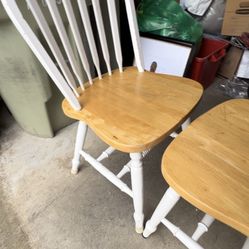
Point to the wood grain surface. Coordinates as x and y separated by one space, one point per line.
134 111
208 164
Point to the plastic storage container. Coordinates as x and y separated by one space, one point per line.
208 60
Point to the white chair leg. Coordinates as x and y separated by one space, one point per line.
168 201
186 123
246 245
203 226
80 139
137 189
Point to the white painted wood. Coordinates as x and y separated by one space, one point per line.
180 235
107 174
102 36
79 143
115 33
105 154
137 189
43 25
246 245
35 45
126 169
186 123
145 153
77 37
89 33
174 134
166 204
65 40
203 226
132 19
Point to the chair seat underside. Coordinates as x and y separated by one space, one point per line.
133 111
208 164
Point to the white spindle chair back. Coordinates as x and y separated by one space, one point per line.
67 77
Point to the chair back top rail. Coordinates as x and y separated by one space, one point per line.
67 76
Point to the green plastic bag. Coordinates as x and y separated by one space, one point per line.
167 18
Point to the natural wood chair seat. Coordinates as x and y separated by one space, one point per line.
134 111
208 165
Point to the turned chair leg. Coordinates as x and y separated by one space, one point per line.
203 226
137 189
168 201
246 245
80 140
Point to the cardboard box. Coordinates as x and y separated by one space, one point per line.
236 18
231 63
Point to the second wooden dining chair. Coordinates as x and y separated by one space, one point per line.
208 165
129 109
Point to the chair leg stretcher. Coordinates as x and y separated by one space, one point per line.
203 226
105 154
107 173
166 204
179 234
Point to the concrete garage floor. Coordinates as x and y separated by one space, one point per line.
43 206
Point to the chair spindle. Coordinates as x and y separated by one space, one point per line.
43 25
132 19
77 37
101 31
89 33
35 45
115 32
64 38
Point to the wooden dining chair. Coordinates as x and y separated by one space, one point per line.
208 165
129 109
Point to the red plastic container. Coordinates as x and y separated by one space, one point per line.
205 65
